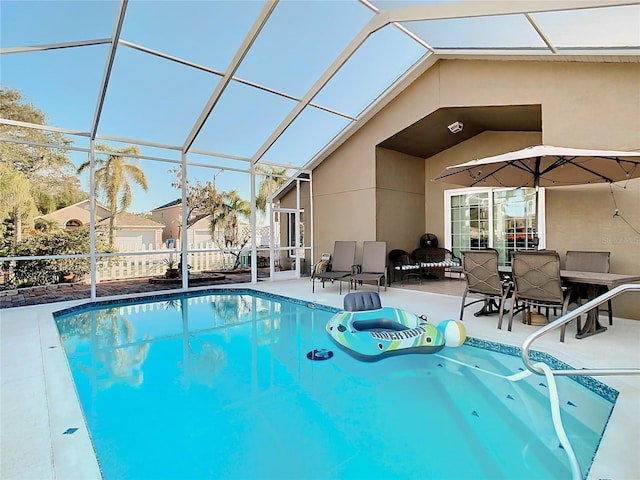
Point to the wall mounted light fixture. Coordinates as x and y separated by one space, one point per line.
456 127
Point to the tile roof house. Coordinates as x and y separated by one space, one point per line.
170 215
133 232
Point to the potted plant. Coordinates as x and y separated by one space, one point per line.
172 267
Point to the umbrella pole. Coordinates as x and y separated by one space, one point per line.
536 238
536 317
536 184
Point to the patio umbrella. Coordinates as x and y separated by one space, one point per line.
545 166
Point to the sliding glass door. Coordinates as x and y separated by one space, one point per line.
503 219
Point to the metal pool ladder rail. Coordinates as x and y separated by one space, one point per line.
526 345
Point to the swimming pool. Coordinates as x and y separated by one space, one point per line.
218 385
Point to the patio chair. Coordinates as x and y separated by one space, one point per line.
537 281
483 279
402 266
374 265
589 262
341 266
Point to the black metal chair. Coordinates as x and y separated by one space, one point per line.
404 266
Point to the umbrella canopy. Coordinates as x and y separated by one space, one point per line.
545 166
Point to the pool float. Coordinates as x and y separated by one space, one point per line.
372 335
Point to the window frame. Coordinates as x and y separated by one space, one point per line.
448 194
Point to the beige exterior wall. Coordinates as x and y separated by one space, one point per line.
344 196
171 217
584 105
78 211
400 202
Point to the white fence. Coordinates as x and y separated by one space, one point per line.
153 262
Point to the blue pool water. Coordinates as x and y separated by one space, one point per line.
218 385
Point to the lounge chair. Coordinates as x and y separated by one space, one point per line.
341 266
374 265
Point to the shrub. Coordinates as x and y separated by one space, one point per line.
50 271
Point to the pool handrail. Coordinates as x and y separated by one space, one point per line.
569 316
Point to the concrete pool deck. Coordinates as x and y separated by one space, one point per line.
40 409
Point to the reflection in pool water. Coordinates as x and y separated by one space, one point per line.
218 385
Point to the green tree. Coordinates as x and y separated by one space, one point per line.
51 174
44 225
58 242
232 209
113 177
274 178
17 204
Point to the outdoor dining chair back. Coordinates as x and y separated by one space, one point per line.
341 266
483 279
583 261
403 266
537 281
374 265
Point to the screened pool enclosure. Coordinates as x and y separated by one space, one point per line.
183 135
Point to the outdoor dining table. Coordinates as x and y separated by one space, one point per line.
592 280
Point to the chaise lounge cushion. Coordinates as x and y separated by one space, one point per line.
436 258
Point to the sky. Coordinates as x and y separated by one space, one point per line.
159 101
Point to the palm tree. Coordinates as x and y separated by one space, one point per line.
274 178
17 203
233 206
112 178
47 225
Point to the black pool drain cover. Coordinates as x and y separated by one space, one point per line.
321 354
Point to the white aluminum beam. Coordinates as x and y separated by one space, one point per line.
373 25
251 37
53 46
108 67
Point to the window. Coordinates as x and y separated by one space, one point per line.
503 219
73 224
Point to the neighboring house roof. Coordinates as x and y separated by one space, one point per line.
80 204
130 220
196 219
168 205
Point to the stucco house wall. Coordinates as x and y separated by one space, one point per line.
78 212
400 202
171 217
132 231
584 105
